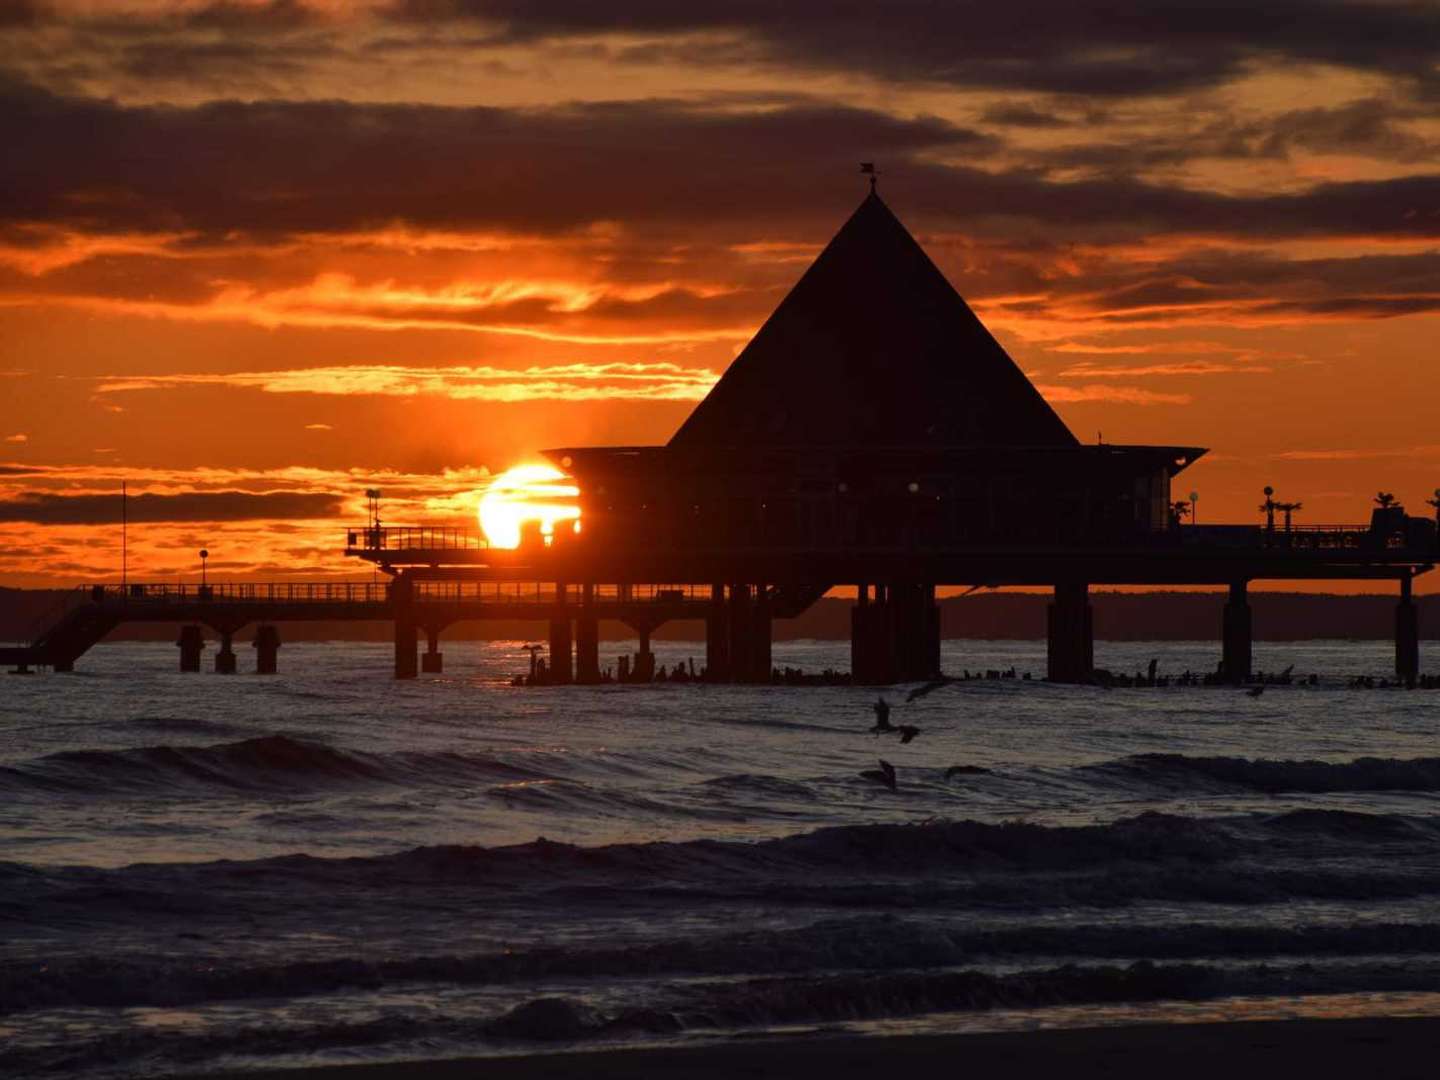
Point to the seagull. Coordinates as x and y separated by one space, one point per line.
882 718
929 688
964 770
1257 691
883 775
907 732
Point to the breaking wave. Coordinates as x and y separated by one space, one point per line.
267 763
1180 771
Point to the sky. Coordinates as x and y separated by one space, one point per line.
256 257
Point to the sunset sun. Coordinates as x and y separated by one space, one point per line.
527 495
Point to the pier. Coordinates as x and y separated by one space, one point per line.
874 436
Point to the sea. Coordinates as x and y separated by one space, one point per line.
203 873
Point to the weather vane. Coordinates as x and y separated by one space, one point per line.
867 168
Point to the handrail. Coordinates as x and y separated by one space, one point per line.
288 592
528 592
413 538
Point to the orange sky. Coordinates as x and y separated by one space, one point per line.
258 256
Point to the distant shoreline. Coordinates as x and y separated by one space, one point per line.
1393 1048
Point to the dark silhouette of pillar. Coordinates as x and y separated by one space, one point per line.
717 637
407 644
267 650
760 640
192 644
432 661
562 657
1407 635
741 633
1236 647
1070 637
914 625
587 639
225 658
872 640
644 670
63 664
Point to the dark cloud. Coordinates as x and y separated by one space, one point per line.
20 13
1025 116
274 15
1367 127
45 509
284 167
278 168
1126 48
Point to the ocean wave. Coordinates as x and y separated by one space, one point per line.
1239 859
874 943
265 763
1183 772
721 1006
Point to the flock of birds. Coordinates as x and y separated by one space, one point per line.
907 732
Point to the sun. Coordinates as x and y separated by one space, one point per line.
524 495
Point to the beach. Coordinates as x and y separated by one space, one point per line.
1392 1049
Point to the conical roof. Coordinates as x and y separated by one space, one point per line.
873 347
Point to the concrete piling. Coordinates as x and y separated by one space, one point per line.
1070 634
267 650
191 645
1237 649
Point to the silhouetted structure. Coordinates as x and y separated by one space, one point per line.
873 434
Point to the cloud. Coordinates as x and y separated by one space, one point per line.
1114 395
319 427
1131 48
18 437
54 509
1189 367
643 381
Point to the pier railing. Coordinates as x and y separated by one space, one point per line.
413 538
284 592
533 592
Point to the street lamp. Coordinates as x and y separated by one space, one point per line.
1194 510
204 554
1269 508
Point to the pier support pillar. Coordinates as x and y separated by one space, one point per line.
1407 635
562 657
761 664
407 644
717 637
191 644
63 665
741 633
1236 648
872 646
587 640
644 670
432 661
914 624
267 650
407 648
1070 636
225 658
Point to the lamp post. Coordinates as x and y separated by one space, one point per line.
1269 507
373 495
1194 510
204 554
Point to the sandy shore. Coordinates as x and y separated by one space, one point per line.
1385 1049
